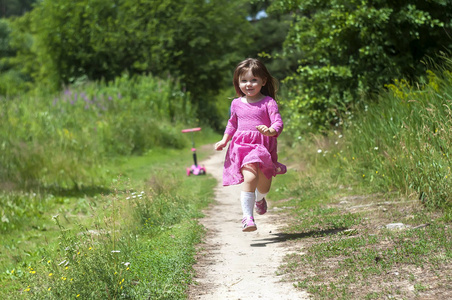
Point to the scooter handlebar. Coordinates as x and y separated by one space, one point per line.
191 129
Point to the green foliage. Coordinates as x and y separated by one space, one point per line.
62 141
195 41
10 8
349 49
399 143
136 242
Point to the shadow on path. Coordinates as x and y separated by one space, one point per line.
282 237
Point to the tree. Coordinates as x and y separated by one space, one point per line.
10 8
196 41
349 49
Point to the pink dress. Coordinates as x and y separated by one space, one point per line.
248 145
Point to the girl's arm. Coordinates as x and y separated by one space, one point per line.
221 144
231 128
268 131
277 125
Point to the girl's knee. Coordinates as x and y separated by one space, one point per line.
252 168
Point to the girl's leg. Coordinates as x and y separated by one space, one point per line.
250 174
263 186
248 196
263 183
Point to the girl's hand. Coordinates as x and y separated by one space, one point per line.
220 145
268 131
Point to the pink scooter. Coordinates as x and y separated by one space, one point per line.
195 169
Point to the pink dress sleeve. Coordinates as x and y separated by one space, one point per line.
275 117
231 127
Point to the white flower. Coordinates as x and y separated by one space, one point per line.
319 151
115 251
340 136
376 148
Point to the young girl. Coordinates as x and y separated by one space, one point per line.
253 127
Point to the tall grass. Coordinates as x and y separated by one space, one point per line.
137 242
62 141
402 142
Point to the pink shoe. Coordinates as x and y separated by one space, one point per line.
248 224
261 207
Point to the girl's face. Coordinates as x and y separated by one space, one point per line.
251 85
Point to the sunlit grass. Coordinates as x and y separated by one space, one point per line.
137 240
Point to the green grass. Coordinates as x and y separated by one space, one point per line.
345 250
137 239
389 163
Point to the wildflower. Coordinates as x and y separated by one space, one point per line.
364 175
50 274
319 151
375 148
27 289
49 289
78 295
340 136
353 158
48 261
115 251
90 248
127 198
376 172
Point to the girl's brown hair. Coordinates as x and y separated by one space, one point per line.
259 70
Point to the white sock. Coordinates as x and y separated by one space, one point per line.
260 196
247 199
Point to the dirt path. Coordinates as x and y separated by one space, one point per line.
237 265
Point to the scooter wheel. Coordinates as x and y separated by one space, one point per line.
188 171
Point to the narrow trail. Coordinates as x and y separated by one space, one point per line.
233 264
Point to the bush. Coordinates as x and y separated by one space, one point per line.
63 140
